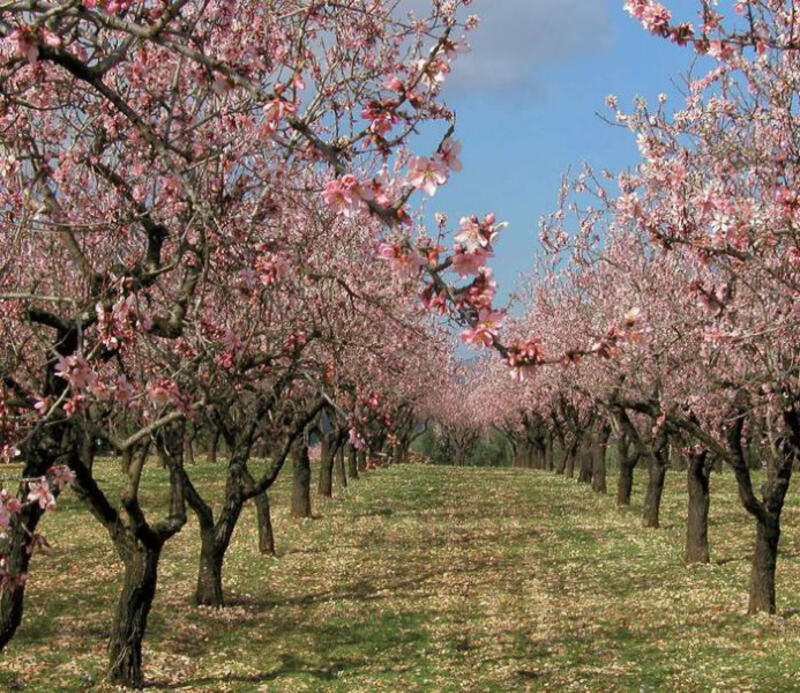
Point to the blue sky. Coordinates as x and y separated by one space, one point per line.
527 97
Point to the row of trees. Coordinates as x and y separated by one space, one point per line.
668 311
208 235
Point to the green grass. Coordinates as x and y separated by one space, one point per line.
428 579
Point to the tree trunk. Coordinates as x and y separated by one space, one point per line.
214 449
548 453
599 461
209 577
188 445
12 597
341 477
698 475
130 620
301 482
585 460
626 466
655 488
325 486
266 538
352 462
362 460
762 573
569 462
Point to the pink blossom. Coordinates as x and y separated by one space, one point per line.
449 152
466 263
484 332
39 492
426 174
62 476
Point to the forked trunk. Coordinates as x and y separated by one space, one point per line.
209 577
130 619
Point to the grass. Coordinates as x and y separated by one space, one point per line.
429 579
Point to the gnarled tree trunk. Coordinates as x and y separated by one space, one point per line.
698 477
130 618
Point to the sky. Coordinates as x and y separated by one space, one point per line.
527 98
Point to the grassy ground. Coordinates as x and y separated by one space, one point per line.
430 579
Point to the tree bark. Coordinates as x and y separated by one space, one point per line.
130 619
655 489
352 462
266 538
362 461
301 481
762 572
569 462
698 476
214 449
12 598
585 461
209 577
599 461
325 486
548 453
188 444
338 465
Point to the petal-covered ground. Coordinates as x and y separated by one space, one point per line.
429 579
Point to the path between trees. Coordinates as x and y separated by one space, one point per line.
427 578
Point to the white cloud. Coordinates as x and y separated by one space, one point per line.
517 37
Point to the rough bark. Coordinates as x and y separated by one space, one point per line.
585 460
599 461
655 488
698 477
325 485
626 466
208 591
130 618
352 462
762 571
569 461
12 599
338 466
301 480
214 448
266 537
